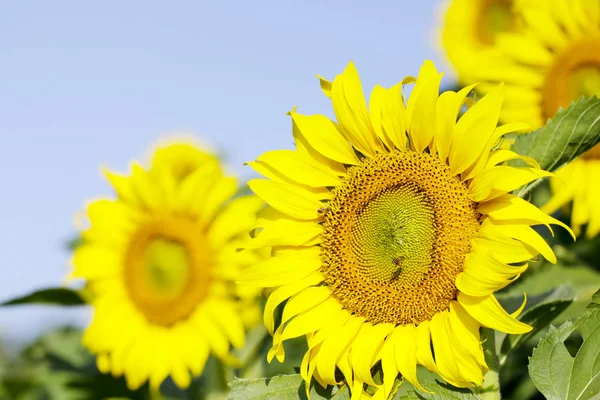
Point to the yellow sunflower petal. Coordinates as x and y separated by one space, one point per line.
394 118
512 208
325 86
351 111
286 232
285 292
311 320
484 275
490 313
421 105
298 168
423 343
500 180
406 357
287 198
282 270
334 345
474 131
325 137
446 113
367 344
237 217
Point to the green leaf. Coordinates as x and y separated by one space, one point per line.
542 310
556 373
569 134
51 296
439 389
282 387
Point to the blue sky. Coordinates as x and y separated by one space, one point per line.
85 84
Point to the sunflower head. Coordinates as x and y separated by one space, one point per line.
551 61
471 28
160 260
392 227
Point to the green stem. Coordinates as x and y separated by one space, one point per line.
491 380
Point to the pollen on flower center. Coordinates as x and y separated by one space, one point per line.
575 73
396 235
167 270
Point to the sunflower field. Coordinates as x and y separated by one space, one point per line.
433 237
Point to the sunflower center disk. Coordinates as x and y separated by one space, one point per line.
396 236
496 16
167 270
575 73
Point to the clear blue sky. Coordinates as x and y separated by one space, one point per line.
90 83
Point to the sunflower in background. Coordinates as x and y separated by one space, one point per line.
552 60
392 228
160 260
470 29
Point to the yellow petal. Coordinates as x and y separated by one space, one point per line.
504 249
237 217
366 345
512 208
282 270
304 300
483 275
421 107
287 198
325 86
502 155
351 111
299 168
388 365
325 137
227 317
446 113
206 207
500 180
490 313
466 328
424 355
528 236
394 118
307 150
333 347
445 357
286 232
377 103
312 320
406 357
283 293
474 131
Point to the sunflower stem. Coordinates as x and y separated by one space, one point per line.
491 380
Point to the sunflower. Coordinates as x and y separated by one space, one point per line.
160 260
552 61
391 230
470 28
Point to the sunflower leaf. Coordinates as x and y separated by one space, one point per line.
558 374
50 296
565 137
542 310
438 388
282 387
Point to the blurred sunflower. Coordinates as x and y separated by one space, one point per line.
470 28
391 230
553 60
160 261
